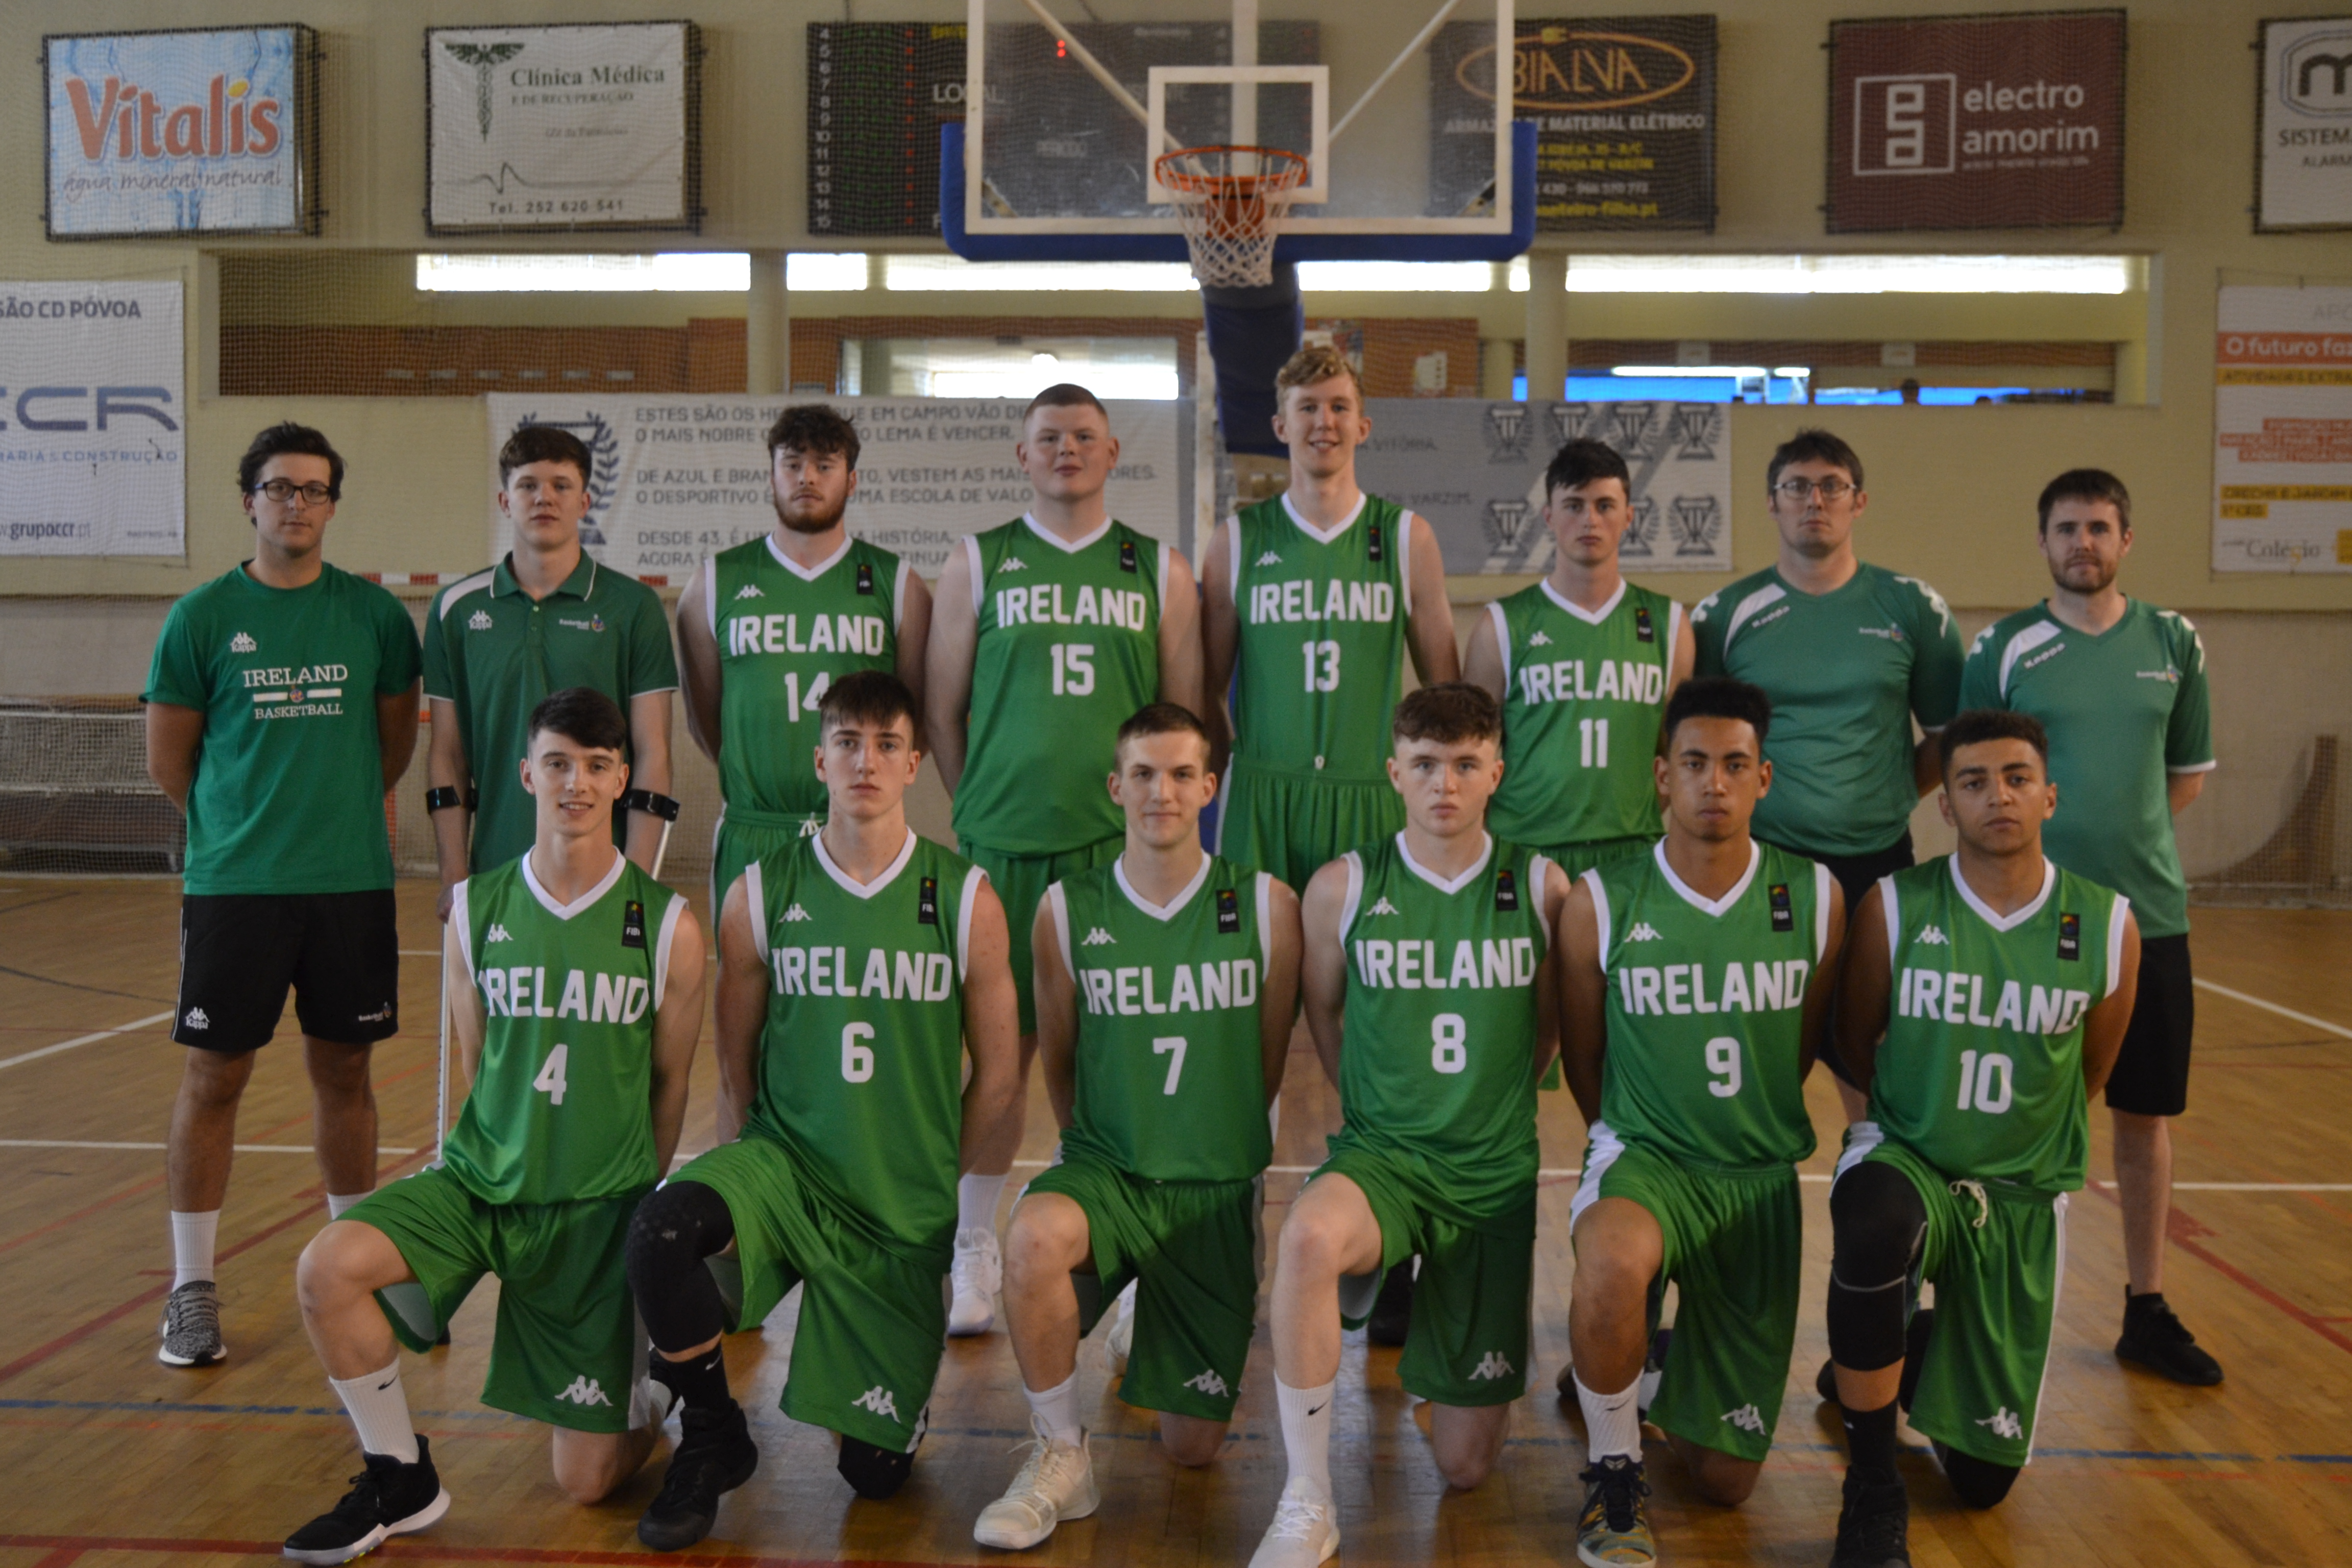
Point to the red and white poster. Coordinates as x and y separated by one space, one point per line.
2283 430
1948 122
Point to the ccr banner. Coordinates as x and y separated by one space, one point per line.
2282 431
677 481
92 452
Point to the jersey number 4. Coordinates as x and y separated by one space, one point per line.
550 1081
795 703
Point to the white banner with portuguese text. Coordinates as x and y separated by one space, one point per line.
2282 431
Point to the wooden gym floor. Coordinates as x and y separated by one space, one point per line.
110 1457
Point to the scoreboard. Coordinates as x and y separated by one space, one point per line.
877 93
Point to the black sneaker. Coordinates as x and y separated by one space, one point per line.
1392 1308
2154 1339
1914 1353
715 1455
1874 1524
386 1499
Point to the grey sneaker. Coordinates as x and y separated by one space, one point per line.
191 1327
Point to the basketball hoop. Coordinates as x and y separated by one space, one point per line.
1228 201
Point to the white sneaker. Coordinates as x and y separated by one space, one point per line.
976 1274
1057 1482
1305 1532
1118 1342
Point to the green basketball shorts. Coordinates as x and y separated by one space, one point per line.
569 1349
1294 826
1020 882
1996 1254
873 1320
1472 1297
1194 1249
742 837
1735 1242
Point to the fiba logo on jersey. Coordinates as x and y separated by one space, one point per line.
1507 433
1569 421
1641 541
1698 521
605 451
1697 426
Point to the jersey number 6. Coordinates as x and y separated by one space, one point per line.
857 1060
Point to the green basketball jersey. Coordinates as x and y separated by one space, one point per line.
784 636
1437 1052
1583 694
861 1064
562 1107
1323 618
1172 1083
1981 1070
1706 1005
1068 649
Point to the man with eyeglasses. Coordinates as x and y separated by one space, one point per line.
281 707
1850 654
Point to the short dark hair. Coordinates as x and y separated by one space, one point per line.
2085 484
1716 696
544 444
1978 725
816 429
284 439
1813 445
1580 462
869 697
1449 712
583 715
1064 394
1161 719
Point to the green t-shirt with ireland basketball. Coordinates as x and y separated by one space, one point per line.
1323 615
1171 1074
1583 695
785 634
861 1061
1981 1070
1847 671
1067 648
561 1106
1438 1041
2125 709
288 792
1706 1006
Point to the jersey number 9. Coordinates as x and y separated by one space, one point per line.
1723 1061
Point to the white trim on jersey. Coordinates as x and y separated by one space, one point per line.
899 597
1763 599
2018 917
464 587
850 884
807 574
1602 1145
1067 546
2116 919
1538 866
1352 900
1265 919
566 911
1893 919
1469 875
2057 1285
1404 556
662 944
972 881
1502 641
1822 913
1166 551
1060 903
710 593
1163 913
2193 767
1234 558
2023 643
1320 535
755 899
1711 907
1589 618
1675 616
979 587
1591 880
461 921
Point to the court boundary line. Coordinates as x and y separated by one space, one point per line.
2250 1001
79 1040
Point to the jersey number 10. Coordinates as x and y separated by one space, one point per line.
1985 1082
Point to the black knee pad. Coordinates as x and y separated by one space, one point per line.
873 1473
674 1229
1878 1224
1978 1483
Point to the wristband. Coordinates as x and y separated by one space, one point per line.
661 805
441 798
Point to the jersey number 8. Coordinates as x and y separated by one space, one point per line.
1449 1051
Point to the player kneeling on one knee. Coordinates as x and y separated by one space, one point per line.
841 1083
1692 980
1166 984
1428 983
576 987
1984 1001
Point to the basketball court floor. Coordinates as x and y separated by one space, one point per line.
112 1459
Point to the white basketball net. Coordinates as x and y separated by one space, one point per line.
1229 199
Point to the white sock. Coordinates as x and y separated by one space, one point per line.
976 1198
338 1204
1307 1431
1058 1407
1613 1426
379 1408
193 1236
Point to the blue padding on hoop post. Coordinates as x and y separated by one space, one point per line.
1289 247
1251 332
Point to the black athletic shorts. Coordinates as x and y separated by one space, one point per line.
2151 1076
240 952
1857 874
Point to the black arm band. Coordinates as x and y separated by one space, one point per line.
661 805
441 797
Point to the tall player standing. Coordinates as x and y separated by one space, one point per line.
1048 631
1167 985
2119 686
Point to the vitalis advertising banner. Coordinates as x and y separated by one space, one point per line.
678 480
2282 431
92 449
563 128
2007 121
1474 470
2305 157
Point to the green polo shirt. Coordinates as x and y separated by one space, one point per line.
495 653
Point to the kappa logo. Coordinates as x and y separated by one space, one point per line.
478 621
1932 936
1644 931
1269 559
498 933
1748 1418
584 1391
798 914
880 1401
1209 1384
1493 1365
1012 564
1382 908
2005 1423
749 591
811 828
1098 937
1541 640
197 1019
241 642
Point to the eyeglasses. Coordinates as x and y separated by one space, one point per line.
283 491
1798 489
